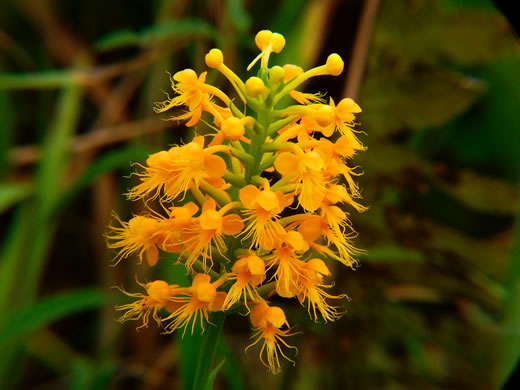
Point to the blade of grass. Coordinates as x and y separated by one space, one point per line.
238 15
26 248
207 350
33 317
106 163
159 32
48 182
13 250
189 344
38 80
232 371
213 375
6 130
12 193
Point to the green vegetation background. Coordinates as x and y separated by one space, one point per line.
435 301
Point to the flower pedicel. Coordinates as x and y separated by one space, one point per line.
268 183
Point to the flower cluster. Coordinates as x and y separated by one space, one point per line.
253 210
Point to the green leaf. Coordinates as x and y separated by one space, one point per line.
494 196
206 353
40 80
90 375
12 193
485 137
238 15
122 38
30 318
213 375
392 255
288 15
152 35
418 100
432 33
232 372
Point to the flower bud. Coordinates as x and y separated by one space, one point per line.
232 128
278 42
276 74
348 105
324 115
254 86
205 292
334 64
214 58
262 39
275 316
291 71
158 290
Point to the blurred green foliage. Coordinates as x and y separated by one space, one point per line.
435 301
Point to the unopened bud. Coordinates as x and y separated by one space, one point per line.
276 74
214 58
262 39
254 86
232 128
334 64
278 42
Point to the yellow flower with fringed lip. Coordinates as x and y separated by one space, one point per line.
267 323
176 170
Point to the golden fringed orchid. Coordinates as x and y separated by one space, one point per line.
256 208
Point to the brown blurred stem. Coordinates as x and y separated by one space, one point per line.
94 140
360 51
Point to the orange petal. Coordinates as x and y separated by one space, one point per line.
209 204
218 303
284 290
211 220
287 164
206 292
152 255
319 266
199 279
248 195
310 229
256 265
232 224
257 314
268 201
275 316
195 118
158 290
215 166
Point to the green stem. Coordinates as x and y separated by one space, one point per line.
208 349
